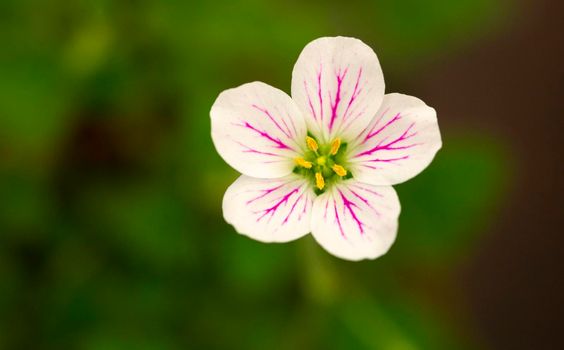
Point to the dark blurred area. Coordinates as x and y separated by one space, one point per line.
111 231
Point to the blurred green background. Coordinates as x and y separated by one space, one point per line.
111 231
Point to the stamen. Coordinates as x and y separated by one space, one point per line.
303 163
339 170
319 181
312 144
335 146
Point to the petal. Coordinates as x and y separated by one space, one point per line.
269 210
339 85
398 144
355 221
257 129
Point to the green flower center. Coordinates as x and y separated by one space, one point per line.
323 165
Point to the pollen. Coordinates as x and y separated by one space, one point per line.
335 145
312 144
303 163
339 170
319 181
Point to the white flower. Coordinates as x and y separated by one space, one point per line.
323 161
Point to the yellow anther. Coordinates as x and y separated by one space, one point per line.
312 144
303 163
339 170
335 146
319 181
321 160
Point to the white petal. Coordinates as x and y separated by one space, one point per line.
258 130
269 210
339 85
356 221
398 144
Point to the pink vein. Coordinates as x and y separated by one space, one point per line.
272 210
388 147
373 125
355 93
389 160
264 134
371 167
293 125
252 150
373 133
267 113
350 205
305 207
369 190
309 101
338 220
264 193
319 94
292 209
335 105
366 201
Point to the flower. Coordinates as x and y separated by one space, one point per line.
323 161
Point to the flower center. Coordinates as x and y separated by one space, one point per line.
323 165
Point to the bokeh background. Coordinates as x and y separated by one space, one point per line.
111 231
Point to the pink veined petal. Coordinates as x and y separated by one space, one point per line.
338 84
269 210
398 144
257 129
356 221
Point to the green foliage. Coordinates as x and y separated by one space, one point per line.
446 206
